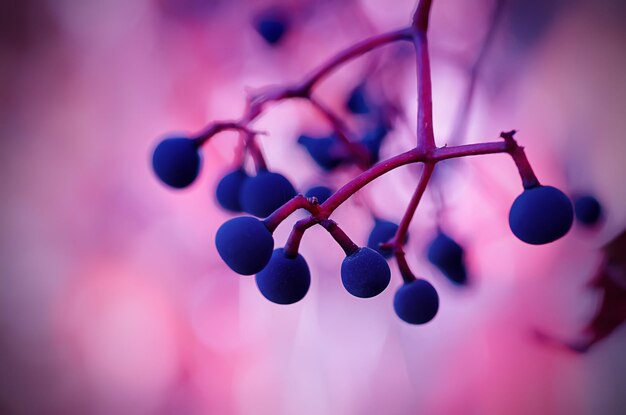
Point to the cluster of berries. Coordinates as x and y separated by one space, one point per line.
539 215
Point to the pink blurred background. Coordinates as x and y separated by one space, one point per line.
113 299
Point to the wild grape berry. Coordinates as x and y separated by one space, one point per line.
365 273
416 302
321 193
373 140
245 244
284 280
588 210
541 215
272 26
264 193
176 161
447 255
357 102
229 188
322 150
381 233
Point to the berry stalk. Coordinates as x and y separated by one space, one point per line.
400 237
425 135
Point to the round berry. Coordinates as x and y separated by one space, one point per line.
447 255
284 280
541 215
416 302
321 193
322 150
272 26
373 141
176 161
264 193
381 233
357 102
245 244
588 210
228 189
365 273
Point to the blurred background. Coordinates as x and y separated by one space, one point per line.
113 299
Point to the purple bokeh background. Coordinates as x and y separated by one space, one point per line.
113 299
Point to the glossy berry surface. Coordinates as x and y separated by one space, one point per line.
264 193
541 215
588 210
229 188
416 302
322 150
176 161
272 26
447 255
365 273
381 233
245 244
284 280
321 193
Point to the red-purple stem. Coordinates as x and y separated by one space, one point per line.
509 145
255 151
293 242
350 53
297 202
529 180
340 236
425 136
400 237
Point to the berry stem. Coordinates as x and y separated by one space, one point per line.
425 135
366 177
529 180
421 15
403 266
350 53
217 127
340 236
400 237
417 155
403 227
255 151
279 215
293 242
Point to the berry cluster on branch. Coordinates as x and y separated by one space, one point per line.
539 215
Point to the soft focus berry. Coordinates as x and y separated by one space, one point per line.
365 273
272 26
381 233
416 302
447 255
245 244
320 192
264 193
357 102
323 150
588 210
373 140
176 161
284 280
229 188
541 215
